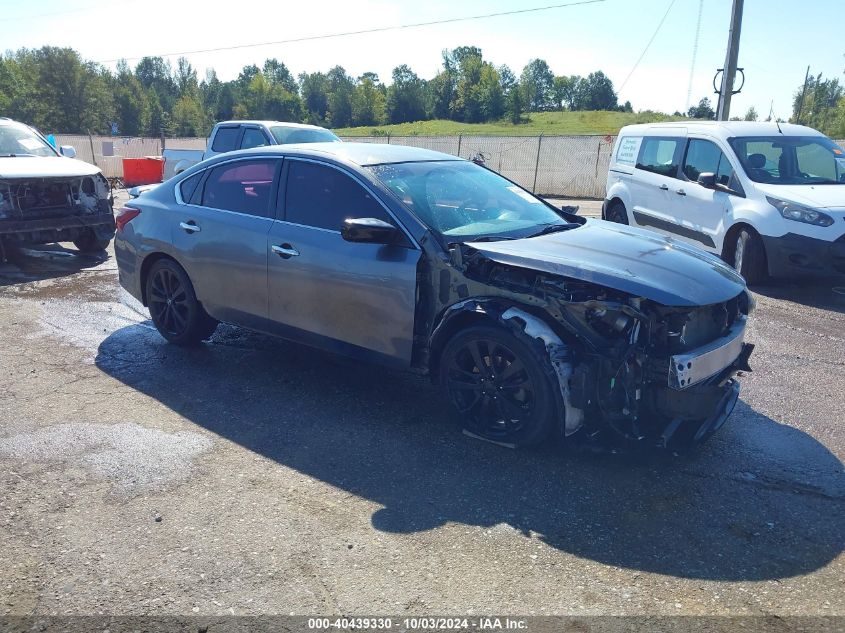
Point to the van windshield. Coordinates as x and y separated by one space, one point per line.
791 160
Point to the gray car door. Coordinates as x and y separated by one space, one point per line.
221 235
350 297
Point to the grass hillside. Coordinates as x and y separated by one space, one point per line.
548 123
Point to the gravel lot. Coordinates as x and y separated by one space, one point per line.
254 476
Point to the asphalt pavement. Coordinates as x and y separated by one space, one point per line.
256 476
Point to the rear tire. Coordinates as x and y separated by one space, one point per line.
89 243
498 387
747 256
177 314
616 212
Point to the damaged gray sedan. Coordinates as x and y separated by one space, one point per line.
538 324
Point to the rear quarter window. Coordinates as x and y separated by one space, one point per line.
628 150
660 155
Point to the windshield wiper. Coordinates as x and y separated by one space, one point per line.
554 228
14 155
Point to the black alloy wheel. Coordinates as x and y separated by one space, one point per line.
497 386
174 308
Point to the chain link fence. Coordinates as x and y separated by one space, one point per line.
563 166
560 166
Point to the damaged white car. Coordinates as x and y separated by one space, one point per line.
47 196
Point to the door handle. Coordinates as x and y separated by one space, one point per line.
190 227
664 187
285 251
681 192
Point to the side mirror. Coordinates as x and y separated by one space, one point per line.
68 150
368 231
707 180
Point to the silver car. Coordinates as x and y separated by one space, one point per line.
538 323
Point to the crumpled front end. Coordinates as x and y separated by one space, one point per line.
631 371
670 379
55 209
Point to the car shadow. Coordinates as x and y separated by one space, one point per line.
45 261
730 512
825 295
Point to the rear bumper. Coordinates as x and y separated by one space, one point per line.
60 229
797 256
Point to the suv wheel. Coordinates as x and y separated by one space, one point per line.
174 308
88 243
498 386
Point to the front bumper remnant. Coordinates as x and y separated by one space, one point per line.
697 365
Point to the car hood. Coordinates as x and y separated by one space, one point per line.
818 196
44 167
634 261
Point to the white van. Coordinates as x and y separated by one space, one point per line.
768 198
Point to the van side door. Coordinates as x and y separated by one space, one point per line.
655 184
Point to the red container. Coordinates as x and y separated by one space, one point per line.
142 171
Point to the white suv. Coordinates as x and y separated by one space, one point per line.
768 198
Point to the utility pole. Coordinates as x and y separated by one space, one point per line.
729 74
803 94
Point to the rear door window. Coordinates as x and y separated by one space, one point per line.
660 155
253 137
323 197
226 138
243 186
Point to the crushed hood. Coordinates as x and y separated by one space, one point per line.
44 167
818 196
634 261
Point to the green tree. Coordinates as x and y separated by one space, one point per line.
77 94
821 106
751 114
156 73
598 93
314 92
131 104
188 118
369 101
339 98
537 83
405 96
279 74
704 110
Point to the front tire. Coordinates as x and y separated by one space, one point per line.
88 242
177 314
747 256
498 387
616 212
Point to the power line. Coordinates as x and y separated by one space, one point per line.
366 31
694 53
656 31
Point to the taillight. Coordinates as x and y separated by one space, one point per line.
124 215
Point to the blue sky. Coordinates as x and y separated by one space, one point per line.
779 39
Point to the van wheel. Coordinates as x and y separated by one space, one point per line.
616 213
498 387
177 314
747 256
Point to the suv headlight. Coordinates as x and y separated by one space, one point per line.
799 213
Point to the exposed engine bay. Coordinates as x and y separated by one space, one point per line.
631 371
42 210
